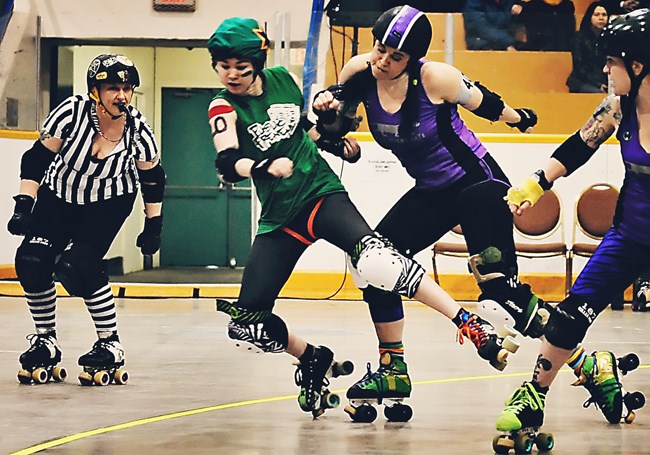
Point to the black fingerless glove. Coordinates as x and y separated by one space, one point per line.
149 240
336 147
21 221
528 119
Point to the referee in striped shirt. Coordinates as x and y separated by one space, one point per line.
78 185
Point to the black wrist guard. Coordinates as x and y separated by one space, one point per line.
528 119
24 203
540 176
336 147
260 169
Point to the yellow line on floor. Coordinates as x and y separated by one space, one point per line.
191 412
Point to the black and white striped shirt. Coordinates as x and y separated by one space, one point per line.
75 175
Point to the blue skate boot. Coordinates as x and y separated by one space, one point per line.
389 385
599 374
521 421
504 301
39 362
103 363
313 370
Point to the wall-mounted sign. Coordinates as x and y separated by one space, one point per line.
184 6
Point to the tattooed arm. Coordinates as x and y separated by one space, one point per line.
600 126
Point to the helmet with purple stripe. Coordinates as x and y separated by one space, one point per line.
404 28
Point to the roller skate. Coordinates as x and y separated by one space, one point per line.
246 328
521 421
102 364
39 361
641 300
506 302
490 346
598 373
389 386
313 376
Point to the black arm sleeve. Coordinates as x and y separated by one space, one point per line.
573 153
152 183
491 106
35 162
225 164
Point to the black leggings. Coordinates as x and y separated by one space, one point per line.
274 255
420 218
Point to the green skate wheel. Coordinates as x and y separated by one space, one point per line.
544 442
398 413
331 400
24 377
523 444
491 255
59 374
40 375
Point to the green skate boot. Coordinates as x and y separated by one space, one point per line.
389 385
520 422
598 373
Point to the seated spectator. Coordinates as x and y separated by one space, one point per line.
550 24
587 75
490 25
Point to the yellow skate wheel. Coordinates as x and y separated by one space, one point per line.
59 374
502 444
24 377
121 377
40 375
630 417
101 378
85 378
510 344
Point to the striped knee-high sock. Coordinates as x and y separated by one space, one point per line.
42 306
101 306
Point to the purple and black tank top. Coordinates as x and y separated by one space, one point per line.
633 210
440 150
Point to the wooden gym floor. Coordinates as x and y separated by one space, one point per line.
191 391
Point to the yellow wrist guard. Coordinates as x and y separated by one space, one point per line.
529 190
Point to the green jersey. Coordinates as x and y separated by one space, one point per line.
268 126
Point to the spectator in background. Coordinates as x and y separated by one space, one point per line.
587 75
550 24
618 7
490 25
430 6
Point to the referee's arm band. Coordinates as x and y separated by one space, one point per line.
35 162
573 153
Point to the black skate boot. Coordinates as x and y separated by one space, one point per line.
247 329
481 333
504 300
102 364
598 373
389 385
520 422
39 361
312 376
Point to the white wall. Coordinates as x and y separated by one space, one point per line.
374 184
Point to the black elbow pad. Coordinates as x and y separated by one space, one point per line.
35 162
152 182
573 153
225 164
491 106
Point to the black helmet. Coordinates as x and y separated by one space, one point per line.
406 29
628 37
239 37
111 68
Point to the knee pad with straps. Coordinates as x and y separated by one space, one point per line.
80 274
379 264
569 322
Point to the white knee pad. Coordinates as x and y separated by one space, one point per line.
359 282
